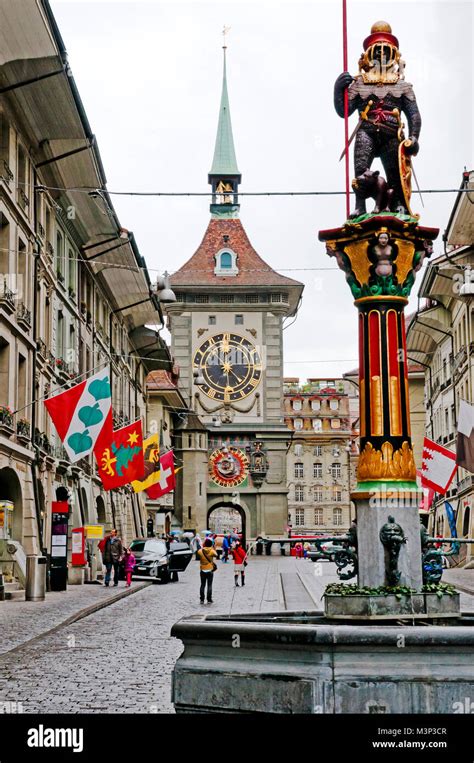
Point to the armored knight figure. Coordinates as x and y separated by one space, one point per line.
381 95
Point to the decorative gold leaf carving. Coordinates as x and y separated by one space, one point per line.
386 464
404 261
360 262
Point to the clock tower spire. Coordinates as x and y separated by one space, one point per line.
224 176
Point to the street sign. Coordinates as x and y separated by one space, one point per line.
94 532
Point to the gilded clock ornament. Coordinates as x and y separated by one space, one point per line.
228 466
230 365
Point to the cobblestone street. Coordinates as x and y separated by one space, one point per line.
120 658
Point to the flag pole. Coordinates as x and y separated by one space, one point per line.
346 102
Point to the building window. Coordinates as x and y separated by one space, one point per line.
226 263
299 470
334 405
299 517
298 424
337 494
298 450
317 425
211 320
297 405
299 493
318 450
336 451
318 517
316 405
337 517
335 469
239 320
317 470
226 298
318 493
466 520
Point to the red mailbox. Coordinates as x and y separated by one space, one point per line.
78 557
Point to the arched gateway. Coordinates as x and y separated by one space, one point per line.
226 517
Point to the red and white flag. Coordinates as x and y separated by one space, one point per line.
80 413
438 466
465 438
167 479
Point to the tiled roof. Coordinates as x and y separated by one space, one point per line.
160 380
253 271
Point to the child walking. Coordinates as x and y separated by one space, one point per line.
128 565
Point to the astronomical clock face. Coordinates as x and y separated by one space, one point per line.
228 467
231 367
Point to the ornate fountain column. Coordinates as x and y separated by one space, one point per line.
380 255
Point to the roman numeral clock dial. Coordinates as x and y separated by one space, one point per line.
230 365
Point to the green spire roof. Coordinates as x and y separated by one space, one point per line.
224 162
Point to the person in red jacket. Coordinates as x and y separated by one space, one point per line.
240 562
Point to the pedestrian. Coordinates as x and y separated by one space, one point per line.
240 562
196 544
299 550
306 548
112 554
226 546
206 557
128 565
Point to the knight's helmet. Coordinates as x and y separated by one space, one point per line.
381 57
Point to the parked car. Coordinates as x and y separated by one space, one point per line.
155 561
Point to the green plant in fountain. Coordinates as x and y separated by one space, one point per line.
342 589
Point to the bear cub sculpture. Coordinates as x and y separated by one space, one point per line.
370 185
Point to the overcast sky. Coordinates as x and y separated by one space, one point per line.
150 76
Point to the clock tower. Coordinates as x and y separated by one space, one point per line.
226 337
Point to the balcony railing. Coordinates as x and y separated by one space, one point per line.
459 360
43 443
7 174
7 297
23 200
23 315
120 419
6 417
23 429
466 483
41 348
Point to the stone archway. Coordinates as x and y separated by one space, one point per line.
225 516
10 490
100 508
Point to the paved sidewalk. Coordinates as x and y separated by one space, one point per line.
21 621
462 579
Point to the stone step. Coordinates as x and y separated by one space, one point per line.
13 586
15 595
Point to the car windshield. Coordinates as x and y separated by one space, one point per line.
149 546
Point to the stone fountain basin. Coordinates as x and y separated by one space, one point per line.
389 607
299 662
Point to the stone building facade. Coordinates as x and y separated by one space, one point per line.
322 457
441 337
69 275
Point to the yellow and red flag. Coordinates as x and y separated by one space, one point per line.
151 474
119 454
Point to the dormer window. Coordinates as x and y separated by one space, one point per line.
226 263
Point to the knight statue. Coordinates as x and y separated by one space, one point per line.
381 95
